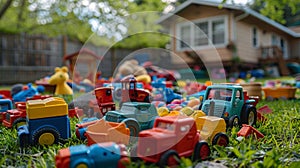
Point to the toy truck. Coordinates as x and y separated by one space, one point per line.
212 129
103 102
231 103
47 122
136 115
170 138
98 131
108 155
279 93
5 104
17 117
130 92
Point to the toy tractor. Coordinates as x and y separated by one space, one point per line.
231 103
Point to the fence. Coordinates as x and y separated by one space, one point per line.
25 58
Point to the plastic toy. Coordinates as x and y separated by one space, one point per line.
248 130
171 95
103 103
229 102
47 122
153 70
5 94
60 78
108 155
131 93
159 89
213 129
15 117
170 138
102 131
27 91
262 111
136 115
279 93
76 112
130 67
5 104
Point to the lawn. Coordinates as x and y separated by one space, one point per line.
279 148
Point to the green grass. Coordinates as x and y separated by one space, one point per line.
279 148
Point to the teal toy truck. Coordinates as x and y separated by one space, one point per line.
230 102
136 115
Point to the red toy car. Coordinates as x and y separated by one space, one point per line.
153 70
170 138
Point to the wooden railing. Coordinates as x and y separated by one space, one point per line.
271 52
274 55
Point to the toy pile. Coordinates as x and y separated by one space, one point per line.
141 115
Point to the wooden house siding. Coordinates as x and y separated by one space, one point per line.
209 54
245 50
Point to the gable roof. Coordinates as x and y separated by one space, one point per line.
244 9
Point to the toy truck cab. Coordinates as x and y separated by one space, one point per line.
47 122
136 115
109 155
103 102
228 102
130 92
5 104
15 117
171 136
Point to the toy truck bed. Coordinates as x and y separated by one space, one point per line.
282 92
103 131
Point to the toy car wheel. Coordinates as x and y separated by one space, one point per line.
220 139
234 122
46 136
19 122
81 165
170 159
249 116
117 94
133 126
201 151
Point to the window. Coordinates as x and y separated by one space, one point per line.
185 36
202 32
218 32
254 37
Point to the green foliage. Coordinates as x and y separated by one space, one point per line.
103 19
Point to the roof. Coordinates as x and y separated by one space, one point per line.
245 9
82 51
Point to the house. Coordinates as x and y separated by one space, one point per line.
227 33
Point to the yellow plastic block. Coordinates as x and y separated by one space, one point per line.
50 107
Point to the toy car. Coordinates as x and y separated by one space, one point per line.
108 155
136 115
170 138
5 104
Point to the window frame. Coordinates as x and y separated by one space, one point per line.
253 36
192 23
